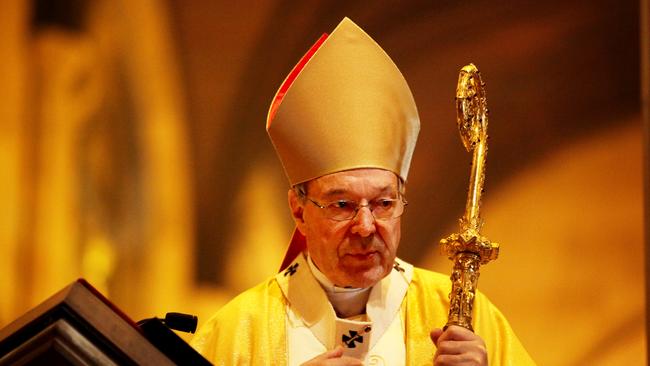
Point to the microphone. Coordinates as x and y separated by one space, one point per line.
177 321
182 322
159 333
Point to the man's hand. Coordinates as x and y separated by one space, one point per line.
333 358
458 346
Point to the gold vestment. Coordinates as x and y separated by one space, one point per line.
251 330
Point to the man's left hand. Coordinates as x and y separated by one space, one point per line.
458 346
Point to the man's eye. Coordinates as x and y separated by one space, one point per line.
341 204
385 203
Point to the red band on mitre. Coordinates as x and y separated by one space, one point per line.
297 245
292 76
298 242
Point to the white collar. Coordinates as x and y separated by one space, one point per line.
309 301
347 302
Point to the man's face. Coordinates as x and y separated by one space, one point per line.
357 252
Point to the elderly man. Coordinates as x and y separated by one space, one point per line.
344 125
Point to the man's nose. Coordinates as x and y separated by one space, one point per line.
363 223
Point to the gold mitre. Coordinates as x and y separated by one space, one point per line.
344 106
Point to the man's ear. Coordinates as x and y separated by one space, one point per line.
297 210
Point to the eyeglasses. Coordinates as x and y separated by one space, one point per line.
381 209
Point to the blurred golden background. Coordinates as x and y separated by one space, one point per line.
133 153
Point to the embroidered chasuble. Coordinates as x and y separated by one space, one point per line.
288 320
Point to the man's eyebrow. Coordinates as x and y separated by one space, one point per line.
387 188
340 191
335 192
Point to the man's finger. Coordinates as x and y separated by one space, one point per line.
456 333
344 361
462 359
435 335
333 358
457 345
451 347
337 352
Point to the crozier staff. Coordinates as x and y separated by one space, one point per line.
344 124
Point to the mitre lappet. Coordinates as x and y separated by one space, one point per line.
344 106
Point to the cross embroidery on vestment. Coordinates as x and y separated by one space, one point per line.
397 267
351 339
291 270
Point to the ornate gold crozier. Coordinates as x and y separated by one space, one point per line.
468 249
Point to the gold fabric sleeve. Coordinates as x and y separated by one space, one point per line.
249 330
426 307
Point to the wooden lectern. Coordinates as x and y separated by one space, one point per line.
79 326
